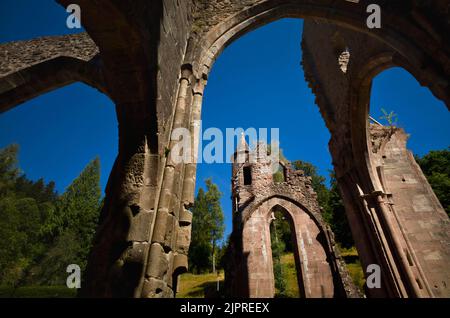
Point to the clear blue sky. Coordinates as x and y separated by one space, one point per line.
256 82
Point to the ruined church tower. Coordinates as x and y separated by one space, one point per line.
255 194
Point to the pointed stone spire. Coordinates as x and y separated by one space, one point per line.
242 150
242 146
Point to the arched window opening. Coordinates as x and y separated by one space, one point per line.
286 272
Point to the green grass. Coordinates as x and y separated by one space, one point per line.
199 286
290 276
351 258
37 292
205 285
356 272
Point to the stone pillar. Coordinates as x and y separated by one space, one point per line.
170 235
258 256
168 254
194 129
116 263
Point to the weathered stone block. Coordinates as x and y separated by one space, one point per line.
158 262
140 227
183 239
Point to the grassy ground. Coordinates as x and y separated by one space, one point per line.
199 286
354 267
290 276
37 292
205 285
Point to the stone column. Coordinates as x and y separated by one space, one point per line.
164 251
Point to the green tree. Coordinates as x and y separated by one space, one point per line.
200 247
41 232
436 167
73 223
337 218
24 206
207 228
216 218
280 238
9 171
222 254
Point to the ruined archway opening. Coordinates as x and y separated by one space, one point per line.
265 95
287 272
405 151
67 141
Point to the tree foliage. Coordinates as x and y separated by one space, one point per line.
42 232
281 239
73 225
436 167
207 228
336 217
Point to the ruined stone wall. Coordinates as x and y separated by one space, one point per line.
15 56
31 68
345 96
421 217
345 112
249 273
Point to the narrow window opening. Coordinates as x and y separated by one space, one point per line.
247 176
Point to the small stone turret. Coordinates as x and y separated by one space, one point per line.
255 194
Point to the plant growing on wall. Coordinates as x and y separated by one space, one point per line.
390 117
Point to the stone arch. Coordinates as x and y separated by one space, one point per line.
285 199
34 67
356 167
360 108
405 31
371 178
360 116
407 198
41 78
313 250
360 105
409 40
